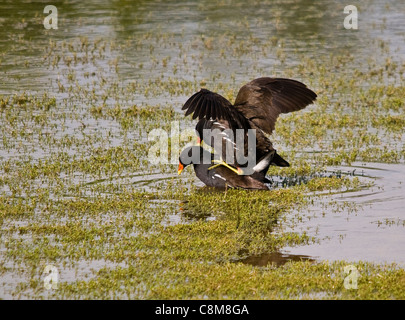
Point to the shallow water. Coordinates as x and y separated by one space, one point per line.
373 233
275 258
118 53
367 225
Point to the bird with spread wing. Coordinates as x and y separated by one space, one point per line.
257 106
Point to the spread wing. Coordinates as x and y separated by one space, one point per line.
208 105
219 117
264 99
257 106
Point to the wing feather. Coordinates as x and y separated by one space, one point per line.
264 99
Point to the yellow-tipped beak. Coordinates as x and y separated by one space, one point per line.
180 169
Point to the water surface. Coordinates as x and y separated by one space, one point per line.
111 57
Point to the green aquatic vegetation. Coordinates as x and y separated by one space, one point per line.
390 223
390 122
76 186
294 280
16 207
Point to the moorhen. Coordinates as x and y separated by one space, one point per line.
257 106
220 177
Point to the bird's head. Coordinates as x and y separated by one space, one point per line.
190 155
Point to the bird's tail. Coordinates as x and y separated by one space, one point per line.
279 161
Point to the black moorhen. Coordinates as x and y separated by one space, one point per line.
219 177
257 106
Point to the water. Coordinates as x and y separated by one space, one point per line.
114 54
274 258
374 232
144 33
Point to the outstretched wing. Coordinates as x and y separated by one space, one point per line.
264 99
217 115
210 105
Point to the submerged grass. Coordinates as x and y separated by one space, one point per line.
77 189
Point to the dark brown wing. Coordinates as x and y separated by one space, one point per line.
218 116
208 105
264 99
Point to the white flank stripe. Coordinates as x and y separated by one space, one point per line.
217 175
